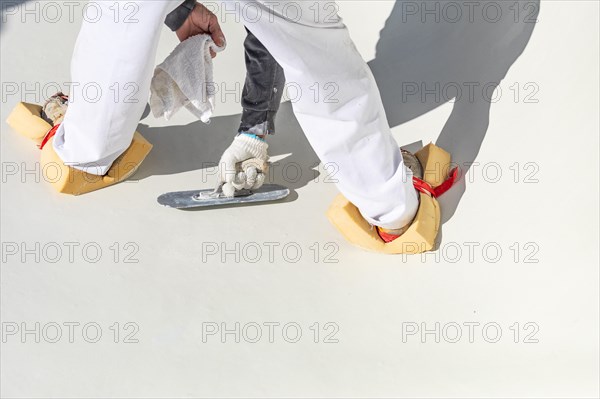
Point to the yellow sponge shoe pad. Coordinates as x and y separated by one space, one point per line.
26 120
421 234
435 162
419 237
68 180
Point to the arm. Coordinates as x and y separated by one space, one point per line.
192 18
176 18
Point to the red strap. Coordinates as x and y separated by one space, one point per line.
48 136
423 186
426 188
448 183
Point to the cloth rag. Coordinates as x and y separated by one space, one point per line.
185 79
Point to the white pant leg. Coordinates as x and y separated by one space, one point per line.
349 128
111 70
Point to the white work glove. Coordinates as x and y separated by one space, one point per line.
243 165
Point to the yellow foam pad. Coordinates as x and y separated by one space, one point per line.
421 234
26 120
419 237
68 180
435 162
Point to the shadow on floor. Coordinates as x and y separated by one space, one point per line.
460 51
423 60
422 63
196 146
8 7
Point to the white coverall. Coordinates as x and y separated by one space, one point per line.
346 125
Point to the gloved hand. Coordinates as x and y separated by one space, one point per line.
244 164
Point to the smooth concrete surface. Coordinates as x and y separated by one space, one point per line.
132 300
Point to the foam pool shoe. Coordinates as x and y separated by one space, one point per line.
68 180
420 236
36 121
39 123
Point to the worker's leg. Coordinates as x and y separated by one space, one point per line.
111 70
263 89
338 104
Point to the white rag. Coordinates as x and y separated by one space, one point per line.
185 79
